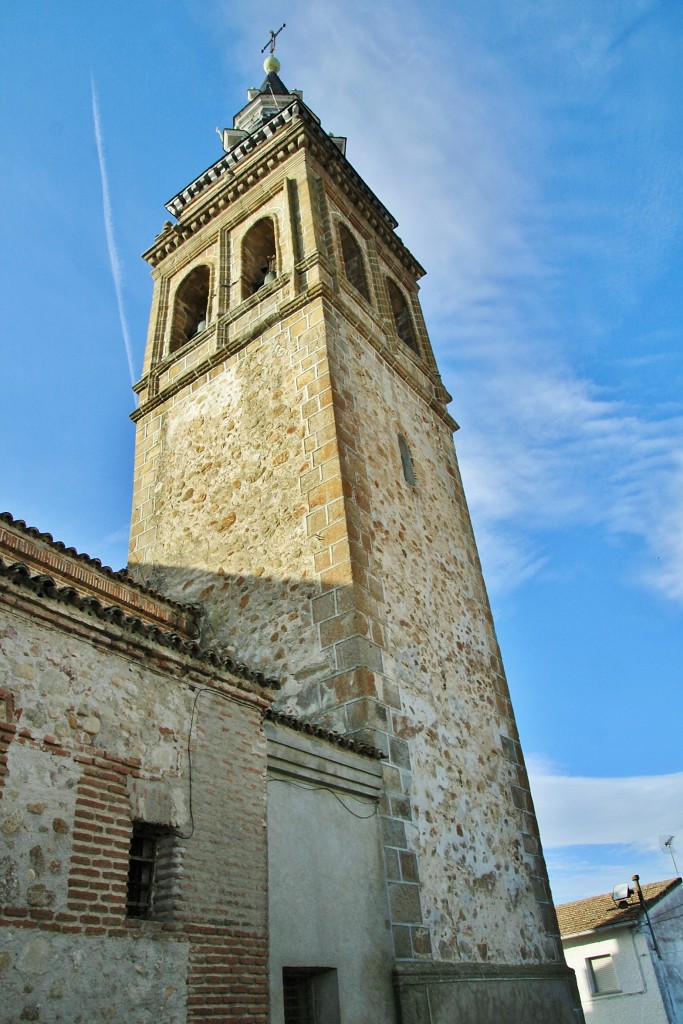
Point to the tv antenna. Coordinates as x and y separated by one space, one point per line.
666 843
273 37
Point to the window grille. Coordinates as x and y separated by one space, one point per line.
602 974
141 869
298 998
310 995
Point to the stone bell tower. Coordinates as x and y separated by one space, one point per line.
295 475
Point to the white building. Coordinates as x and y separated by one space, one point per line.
627 971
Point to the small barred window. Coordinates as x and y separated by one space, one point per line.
298 998
310 995
152 866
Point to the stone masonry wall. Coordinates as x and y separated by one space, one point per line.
95 734
269 489
460 776
235 465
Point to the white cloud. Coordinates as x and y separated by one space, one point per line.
540 230
584 811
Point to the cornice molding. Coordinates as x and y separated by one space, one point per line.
293 129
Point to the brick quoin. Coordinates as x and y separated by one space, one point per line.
101 841
7 732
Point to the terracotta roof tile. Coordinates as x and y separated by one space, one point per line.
94 563
302 725
44 586
602 912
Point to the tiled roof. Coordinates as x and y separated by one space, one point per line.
44 586
301 725
602 912
121 575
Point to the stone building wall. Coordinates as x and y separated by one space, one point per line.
95 733
269 489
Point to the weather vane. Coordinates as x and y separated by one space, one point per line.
273 37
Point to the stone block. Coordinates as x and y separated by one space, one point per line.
358 652
366 713
399 752
408 863
400 807
422 943
404 903
393 833
324 607
391 864
403 947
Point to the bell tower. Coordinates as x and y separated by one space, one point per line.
295 475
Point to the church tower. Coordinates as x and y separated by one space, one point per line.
296 477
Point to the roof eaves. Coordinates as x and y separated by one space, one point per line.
44 586
339 739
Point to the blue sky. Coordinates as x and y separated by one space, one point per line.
532 154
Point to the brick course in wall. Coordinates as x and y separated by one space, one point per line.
67 803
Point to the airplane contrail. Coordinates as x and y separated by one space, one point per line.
114 261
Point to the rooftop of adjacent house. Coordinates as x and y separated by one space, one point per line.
597 912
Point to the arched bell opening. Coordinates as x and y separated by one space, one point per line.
403 321
354 265
258 257
190 309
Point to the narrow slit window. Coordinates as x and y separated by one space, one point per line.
258 257
141 867
406 461
354 266
401 314
190 310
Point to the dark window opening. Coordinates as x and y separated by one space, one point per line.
406 461
298 999
141 865
191 307
310 995
152 867
354 267
401 314
258 257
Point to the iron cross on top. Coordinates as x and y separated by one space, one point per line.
273 37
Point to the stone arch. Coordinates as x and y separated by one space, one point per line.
190 307
259 262
400 312
354 264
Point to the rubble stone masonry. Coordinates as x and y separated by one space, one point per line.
270 489
94 735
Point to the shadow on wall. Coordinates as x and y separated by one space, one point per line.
283 627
